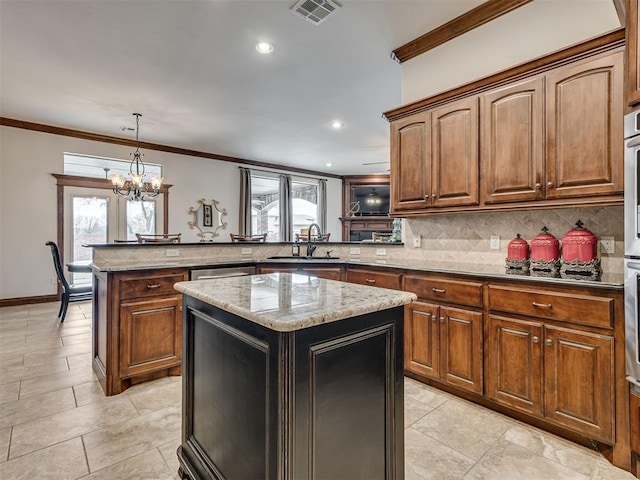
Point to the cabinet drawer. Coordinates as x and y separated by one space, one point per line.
566 306
374 279
454 291
149 286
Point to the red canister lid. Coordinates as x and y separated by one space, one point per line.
579 244
545 246
518 249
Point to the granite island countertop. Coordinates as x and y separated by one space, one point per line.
287 302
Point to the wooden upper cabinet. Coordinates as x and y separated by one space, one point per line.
410 163
512 142
455 154
584 128
633 52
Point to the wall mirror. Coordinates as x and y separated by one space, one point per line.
207 218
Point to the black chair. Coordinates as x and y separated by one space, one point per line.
70 293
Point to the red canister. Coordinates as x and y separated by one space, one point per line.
518 249
579 244
545 247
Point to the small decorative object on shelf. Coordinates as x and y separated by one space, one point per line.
518 255
396 234
354 207
580 254
545 254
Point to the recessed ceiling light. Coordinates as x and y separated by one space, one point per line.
328 164
264 47
337 124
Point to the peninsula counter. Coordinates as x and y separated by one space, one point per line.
291 376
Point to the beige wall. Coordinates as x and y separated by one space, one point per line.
530 31
28 200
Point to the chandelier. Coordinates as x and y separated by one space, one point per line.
136 188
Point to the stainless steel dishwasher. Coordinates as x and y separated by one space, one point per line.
204 273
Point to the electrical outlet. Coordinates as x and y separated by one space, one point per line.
173 252
354 251
246 251
607 245
417 241
381 251
494 242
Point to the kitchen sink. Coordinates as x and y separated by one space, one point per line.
300 257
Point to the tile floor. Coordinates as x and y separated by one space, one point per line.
55 423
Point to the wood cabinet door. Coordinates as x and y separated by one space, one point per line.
410 174
514 363
422 339
579 381
328 273
633 52
512 142
454 140
150 335
461 352
584 128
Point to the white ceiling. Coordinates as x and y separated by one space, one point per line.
191 69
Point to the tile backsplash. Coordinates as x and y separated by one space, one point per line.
467 236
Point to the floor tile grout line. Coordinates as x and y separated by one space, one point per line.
86 457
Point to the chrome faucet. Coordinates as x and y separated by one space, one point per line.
311 244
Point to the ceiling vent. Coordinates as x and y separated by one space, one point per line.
315 11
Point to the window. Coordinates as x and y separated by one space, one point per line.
304 204
273 194
101 167
265 207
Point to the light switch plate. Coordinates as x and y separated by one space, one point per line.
354 251
246 251
173 252
607 245
417 241
494 242
381 251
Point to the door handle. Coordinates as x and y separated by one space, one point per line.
370 281
438 290
151 286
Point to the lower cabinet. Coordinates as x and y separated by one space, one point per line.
150 335
374 278
562 374
444 343
137 327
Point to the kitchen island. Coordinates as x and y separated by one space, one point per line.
292 376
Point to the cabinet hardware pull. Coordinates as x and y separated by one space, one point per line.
441 319
433 318
433 195
538 186
153 285
535 340
549 342
369 280
542 305
438 290
180 308
550 184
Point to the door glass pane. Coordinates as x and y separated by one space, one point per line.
304 200
89 226
141 218
265 207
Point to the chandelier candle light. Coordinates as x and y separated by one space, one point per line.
136 189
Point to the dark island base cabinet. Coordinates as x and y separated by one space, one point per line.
322 402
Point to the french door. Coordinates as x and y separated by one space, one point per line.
97 216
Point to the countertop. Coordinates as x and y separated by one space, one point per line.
607 280
287 302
